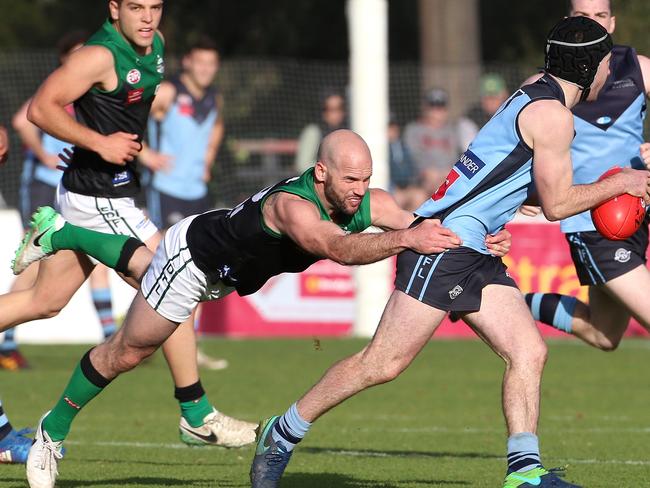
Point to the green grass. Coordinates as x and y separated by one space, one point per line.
439 424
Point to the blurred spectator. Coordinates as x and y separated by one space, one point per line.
403 175
185 132
433 140
493 92
332 117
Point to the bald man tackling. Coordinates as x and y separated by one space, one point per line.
283 228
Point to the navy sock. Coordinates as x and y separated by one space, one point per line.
552 309
523 452
291 428
5 426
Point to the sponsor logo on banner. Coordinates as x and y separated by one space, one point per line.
469 164
326 285
133 76
622 255
134 96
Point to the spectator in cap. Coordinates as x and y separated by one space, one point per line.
332 117
493 92
433 140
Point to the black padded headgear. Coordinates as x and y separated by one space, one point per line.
574 49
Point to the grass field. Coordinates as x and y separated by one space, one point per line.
439 424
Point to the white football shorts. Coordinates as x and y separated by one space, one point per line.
173 285
102 214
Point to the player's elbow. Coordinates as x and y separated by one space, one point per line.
34 112
554 213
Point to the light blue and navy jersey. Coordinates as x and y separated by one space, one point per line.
609 130
33 169
184 134
492 178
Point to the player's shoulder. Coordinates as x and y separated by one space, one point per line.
546 120
90 58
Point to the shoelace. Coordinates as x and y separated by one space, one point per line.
276 462
53 451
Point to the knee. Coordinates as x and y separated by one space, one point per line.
532 356
48 306
124 358
378 371
608 344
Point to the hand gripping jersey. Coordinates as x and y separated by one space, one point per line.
237 248
124 109
184 133
609 130
492 178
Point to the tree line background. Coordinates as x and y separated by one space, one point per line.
314 29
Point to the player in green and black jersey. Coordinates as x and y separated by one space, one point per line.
284 228
112 82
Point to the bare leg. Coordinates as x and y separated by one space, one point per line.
59 277
405 327
507 326
603 322
141 334
180 353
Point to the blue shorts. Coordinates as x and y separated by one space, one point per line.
452 281
599 260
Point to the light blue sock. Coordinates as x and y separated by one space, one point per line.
8 343
291 428
523 452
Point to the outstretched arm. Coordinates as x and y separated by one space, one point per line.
547 127
300 220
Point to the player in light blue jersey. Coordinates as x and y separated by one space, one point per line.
39 181
529 137
609 132
185 131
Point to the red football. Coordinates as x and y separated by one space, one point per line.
619 217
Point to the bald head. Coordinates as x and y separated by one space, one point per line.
343 170
343 146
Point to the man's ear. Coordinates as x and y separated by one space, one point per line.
320 171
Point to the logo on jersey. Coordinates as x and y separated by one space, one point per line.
626 83
603 120
442 189
622 255
134 96
455 292
469 164
121 178
133 76
160 65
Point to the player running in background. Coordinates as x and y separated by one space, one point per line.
528 138
14 446
39 180
184 135
283 228
112 81
609 132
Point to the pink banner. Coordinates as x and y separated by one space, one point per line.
320 301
